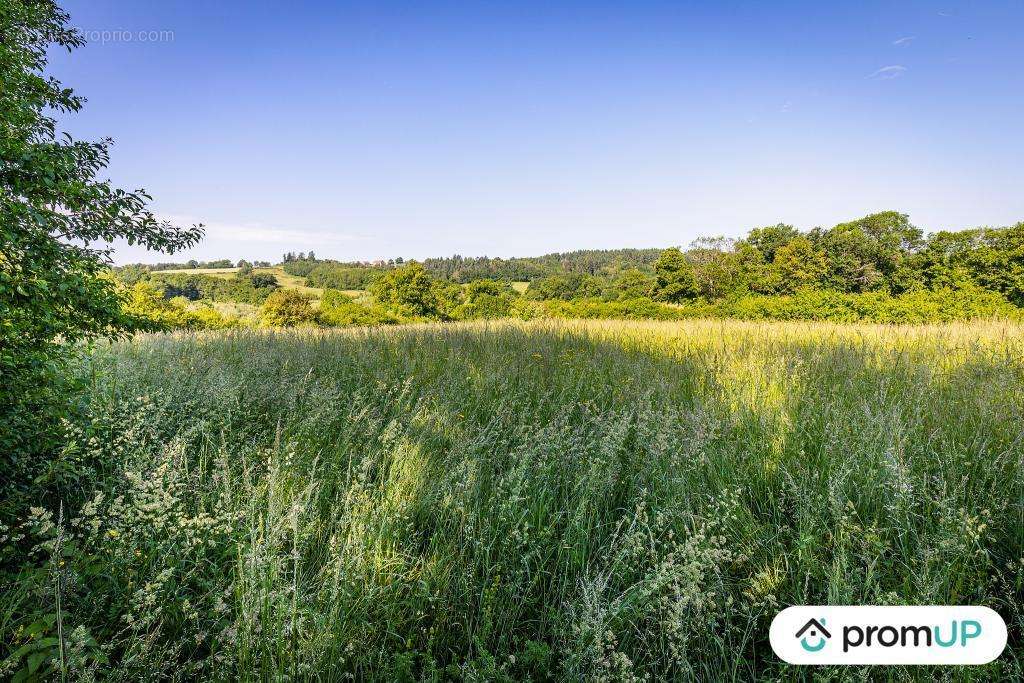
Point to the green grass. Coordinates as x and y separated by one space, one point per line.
567 501
291 281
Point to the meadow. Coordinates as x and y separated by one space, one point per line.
549 500
285 279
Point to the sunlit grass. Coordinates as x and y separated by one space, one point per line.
567 500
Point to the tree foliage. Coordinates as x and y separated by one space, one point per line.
674 277
55 216
288 308
408 290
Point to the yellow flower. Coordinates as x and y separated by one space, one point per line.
113 533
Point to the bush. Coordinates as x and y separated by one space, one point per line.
916 307
921 306
339 310
631 309
288 308
485 305
152 311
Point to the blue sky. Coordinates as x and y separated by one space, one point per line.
377 130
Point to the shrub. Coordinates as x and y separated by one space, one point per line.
806 304
151 310
339 310
486 306
631 309
288 308
919 306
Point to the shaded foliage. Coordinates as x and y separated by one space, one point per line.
53 208
251 289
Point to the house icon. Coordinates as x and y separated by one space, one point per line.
814 629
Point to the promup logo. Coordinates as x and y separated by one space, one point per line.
888 635
817 630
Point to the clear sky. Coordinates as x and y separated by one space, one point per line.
382 129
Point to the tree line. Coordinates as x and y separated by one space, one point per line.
881 252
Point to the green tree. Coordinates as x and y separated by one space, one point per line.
869 253
798 264
53 209
288 308
998 262
566 287
408 290
447 297
674 278
850 264
770 238
755 274
716 267
632 284
486 299
264 281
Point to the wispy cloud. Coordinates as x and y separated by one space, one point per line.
264 234
887 73
945 13
786 107
905 40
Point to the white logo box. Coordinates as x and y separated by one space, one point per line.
824 634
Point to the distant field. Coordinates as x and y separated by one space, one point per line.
203 271
296 282
286 280
533 501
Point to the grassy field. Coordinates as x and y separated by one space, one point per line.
299 283
219 272
286 280
546 501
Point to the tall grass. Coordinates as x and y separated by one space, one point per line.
568 501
